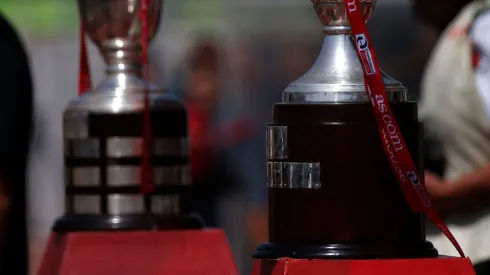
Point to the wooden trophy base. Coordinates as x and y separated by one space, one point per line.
357 209
132 222
346 251
434 266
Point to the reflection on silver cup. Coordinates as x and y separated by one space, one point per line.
117 19
115 28
336 76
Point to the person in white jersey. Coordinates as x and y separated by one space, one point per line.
455 107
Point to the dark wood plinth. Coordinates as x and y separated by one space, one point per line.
133 222
167 123
360 210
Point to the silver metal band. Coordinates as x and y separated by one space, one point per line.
293 175
126 147
82 148
277 142
129 175
124 204
130 147
298 94
75 125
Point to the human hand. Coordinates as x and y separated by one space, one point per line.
440 191
435 185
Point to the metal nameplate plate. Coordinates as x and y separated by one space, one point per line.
277 142
293 175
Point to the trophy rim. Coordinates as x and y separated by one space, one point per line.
327 17
156 10
340 1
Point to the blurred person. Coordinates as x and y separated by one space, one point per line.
455 106
212 176
249 157
15 125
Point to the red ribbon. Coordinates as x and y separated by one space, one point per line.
84 82
146 169
394 144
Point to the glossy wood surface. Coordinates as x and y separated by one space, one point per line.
360 201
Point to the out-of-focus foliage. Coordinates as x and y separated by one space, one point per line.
41 17
202 15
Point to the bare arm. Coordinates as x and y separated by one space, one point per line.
464 194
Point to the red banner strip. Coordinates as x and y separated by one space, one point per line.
146 169
394 144
84 81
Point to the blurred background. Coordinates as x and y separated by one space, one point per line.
260 45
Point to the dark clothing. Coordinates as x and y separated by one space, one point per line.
200 130
210 175
212 185
483 268
16 108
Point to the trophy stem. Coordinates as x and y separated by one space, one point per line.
337 76
122 56
124 71
338 56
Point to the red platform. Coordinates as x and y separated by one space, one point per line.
438 266
203 252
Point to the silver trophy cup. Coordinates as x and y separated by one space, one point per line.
332 192
103 126
115 28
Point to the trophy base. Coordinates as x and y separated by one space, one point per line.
182 252
269 251
78 223
433 266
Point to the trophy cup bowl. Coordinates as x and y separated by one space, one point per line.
115 28
106 20
334 12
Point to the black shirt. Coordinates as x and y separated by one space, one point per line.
16 109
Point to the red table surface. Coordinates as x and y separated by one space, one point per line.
437 266
197 252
